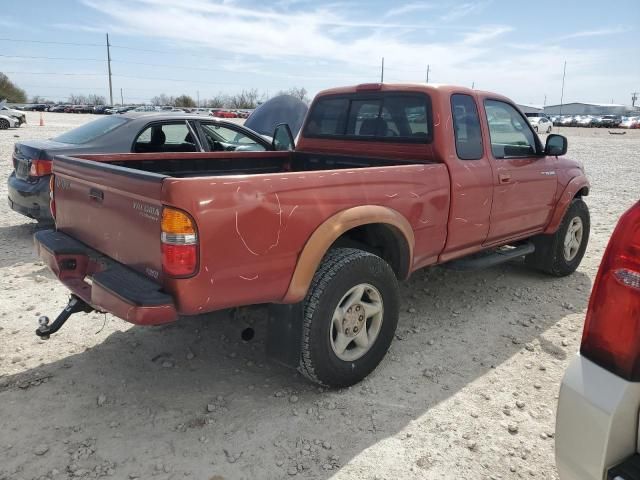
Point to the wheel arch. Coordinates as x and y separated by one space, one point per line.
377 229
578 187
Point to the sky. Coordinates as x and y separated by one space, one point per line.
206 47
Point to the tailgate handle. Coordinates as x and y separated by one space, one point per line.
96 194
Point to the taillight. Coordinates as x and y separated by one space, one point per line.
40 168
52 200
179 243
611 335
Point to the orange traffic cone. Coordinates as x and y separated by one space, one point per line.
41 119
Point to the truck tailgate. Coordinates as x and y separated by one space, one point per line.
114 210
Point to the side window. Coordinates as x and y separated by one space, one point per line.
168 137
466 127
511 135
222 138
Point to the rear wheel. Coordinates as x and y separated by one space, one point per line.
4 124
350 317
560 254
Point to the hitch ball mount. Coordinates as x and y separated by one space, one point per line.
75 305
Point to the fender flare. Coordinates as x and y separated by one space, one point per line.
573 187
329 231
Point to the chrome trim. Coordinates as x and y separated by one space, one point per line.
179 238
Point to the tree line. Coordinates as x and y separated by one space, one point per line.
246 99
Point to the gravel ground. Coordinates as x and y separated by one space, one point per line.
468 389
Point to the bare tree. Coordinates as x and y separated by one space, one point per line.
94 99
77 99
245 99
217 101
11 92
298 92
163 99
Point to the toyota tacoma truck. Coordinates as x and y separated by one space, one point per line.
383 180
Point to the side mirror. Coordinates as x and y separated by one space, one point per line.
556 145
282 138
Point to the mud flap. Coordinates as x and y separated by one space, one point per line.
284 334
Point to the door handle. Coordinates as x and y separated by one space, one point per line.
504 178
96 194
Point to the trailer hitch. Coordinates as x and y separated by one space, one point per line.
75 305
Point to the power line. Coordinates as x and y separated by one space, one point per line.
19 40
57 73
53 58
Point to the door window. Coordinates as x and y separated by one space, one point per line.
163 138
510 133
466 127
222 138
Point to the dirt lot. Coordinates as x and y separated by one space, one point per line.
468 389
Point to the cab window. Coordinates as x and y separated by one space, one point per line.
167 137
510 133
466 127
220 138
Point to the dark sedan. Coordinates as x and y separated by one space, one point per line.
155 132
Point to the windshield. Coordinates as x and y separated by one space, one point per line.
91 130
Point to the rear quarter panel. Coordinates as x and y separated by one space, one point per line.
253 228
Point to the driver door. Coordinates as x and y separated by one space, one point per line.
525 180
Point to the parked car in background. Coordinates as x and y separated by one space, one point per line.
12 112
37 107
610 121
597 419
540 122
567 121
101 109
221 113
7 121
58 108
586 121
630 122
152 132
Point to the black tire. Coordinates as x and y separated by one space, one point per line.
4 124
341 270
549 256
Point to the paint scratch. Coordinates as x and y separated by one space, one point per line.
250 278
242 238
414 195
292 210
279 225
391 196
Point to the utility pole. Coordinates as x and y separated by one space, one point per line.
121 98
198 94
473 85
428 68
545 101
634 98
564 73
109 67
382 72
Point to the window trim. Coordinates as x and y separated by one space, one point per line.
373 96
538 144
176 121
455 138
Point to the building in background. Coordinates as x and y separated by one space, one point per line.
590 109
529 108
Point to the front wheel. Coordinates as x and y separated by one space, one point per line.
350 317
4 124
560 254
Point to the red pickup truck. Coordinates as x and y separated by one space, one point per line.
384 179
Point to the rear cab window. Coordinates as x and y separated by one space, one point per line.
380 116
92 130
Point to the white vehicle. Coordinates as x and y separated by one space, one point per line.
12 112
7 121
630 122
597 418
540 122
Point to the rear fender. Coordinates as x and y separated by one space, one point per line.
571 190
329 231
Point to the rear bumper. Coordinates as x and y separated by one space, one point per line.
103 283
596 422
30 199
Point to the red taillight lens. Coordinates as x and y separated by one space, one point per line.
179 260
40 168
52 200
179 243
611 335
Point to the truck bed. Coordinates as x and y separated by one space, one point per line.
254 212
182 165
